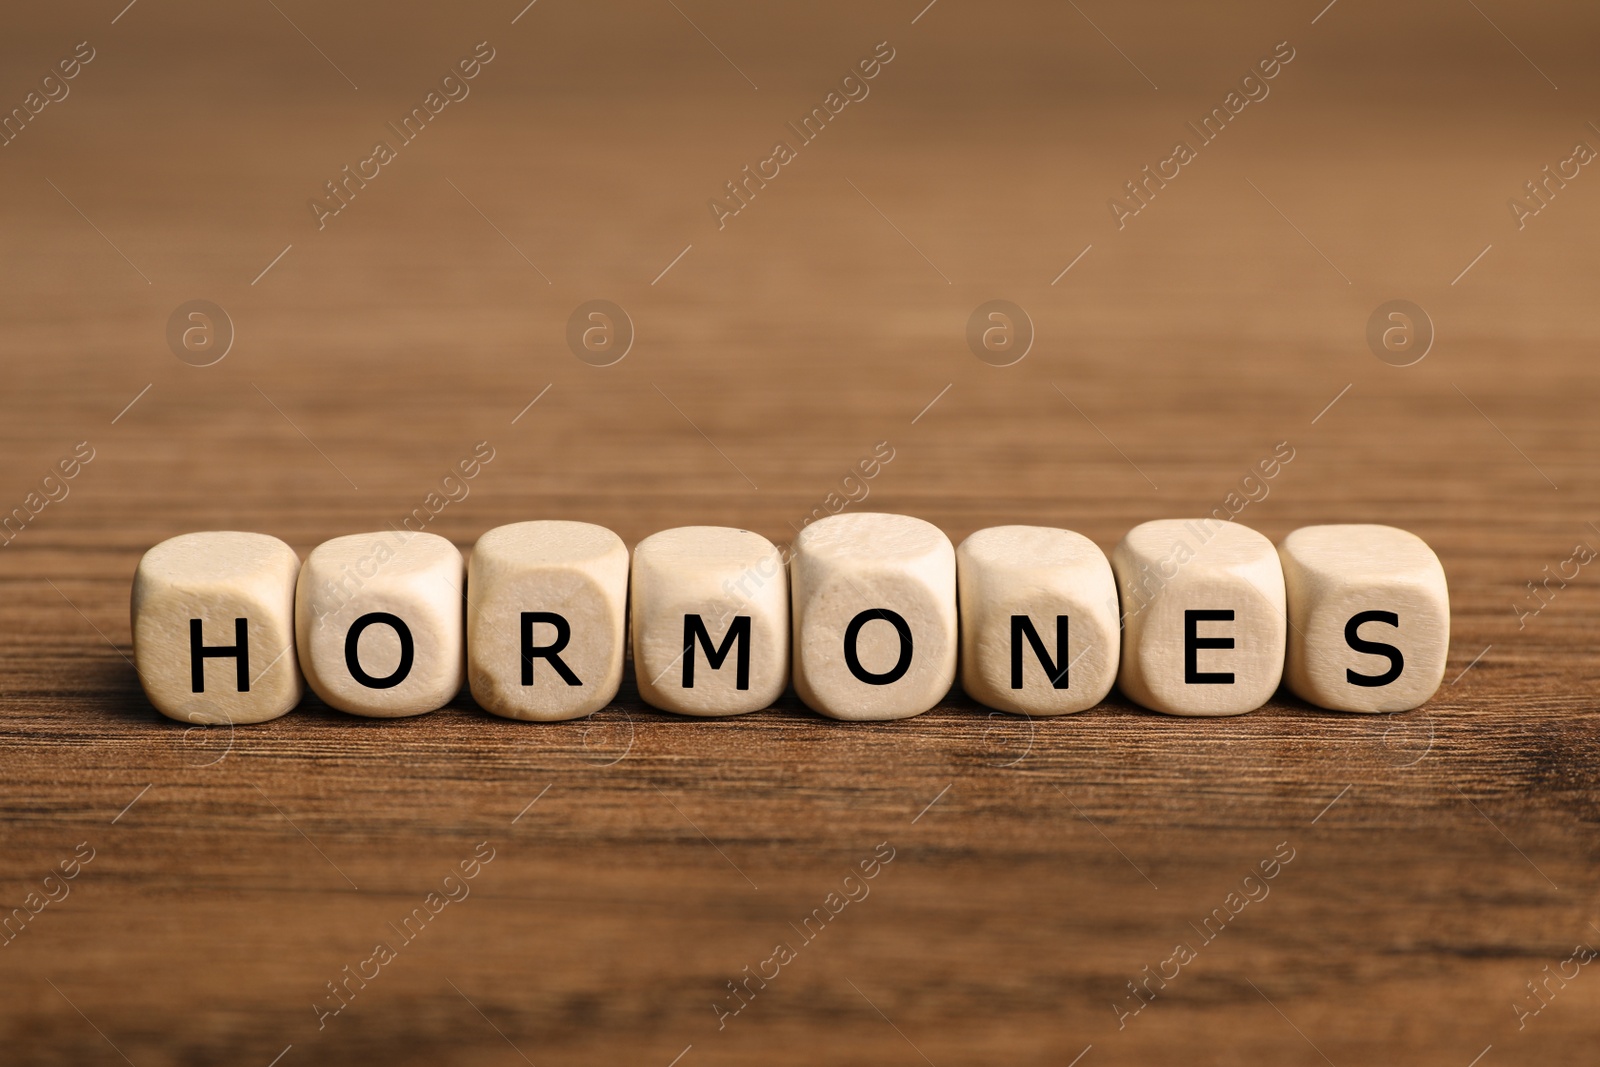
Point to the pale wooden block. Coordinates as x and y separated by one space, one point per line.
1024 584
874 616
546 609
1370 615
238 665
378 621
710 621
1202 616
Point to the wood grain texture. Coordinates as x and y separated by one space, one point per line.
1442 859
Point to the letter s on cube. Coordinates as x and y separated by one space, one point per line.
1371 617
388 640
546 609
874 616
213 627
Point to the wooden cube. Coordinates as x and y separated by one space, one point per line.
213 627
1040 633
546 608
710 618
1370 617
874 616
378 620
1203 618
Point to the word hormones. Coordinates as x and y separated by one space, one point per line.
867 616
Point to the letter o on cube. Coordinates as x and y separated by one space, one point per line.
874 616
1203 623
1371 617
710 621
378 620
546 614
213 627
1039 628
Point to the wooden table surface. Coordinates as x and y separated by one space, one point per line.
1441 860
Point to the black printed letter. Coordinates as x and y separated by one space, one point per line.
1397 662
199 651
853 661
694 629
353 639
551 652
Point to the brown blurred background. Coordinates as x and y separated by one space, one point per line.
1456 863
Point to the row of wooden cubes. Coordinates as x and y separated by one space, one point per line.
868 615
